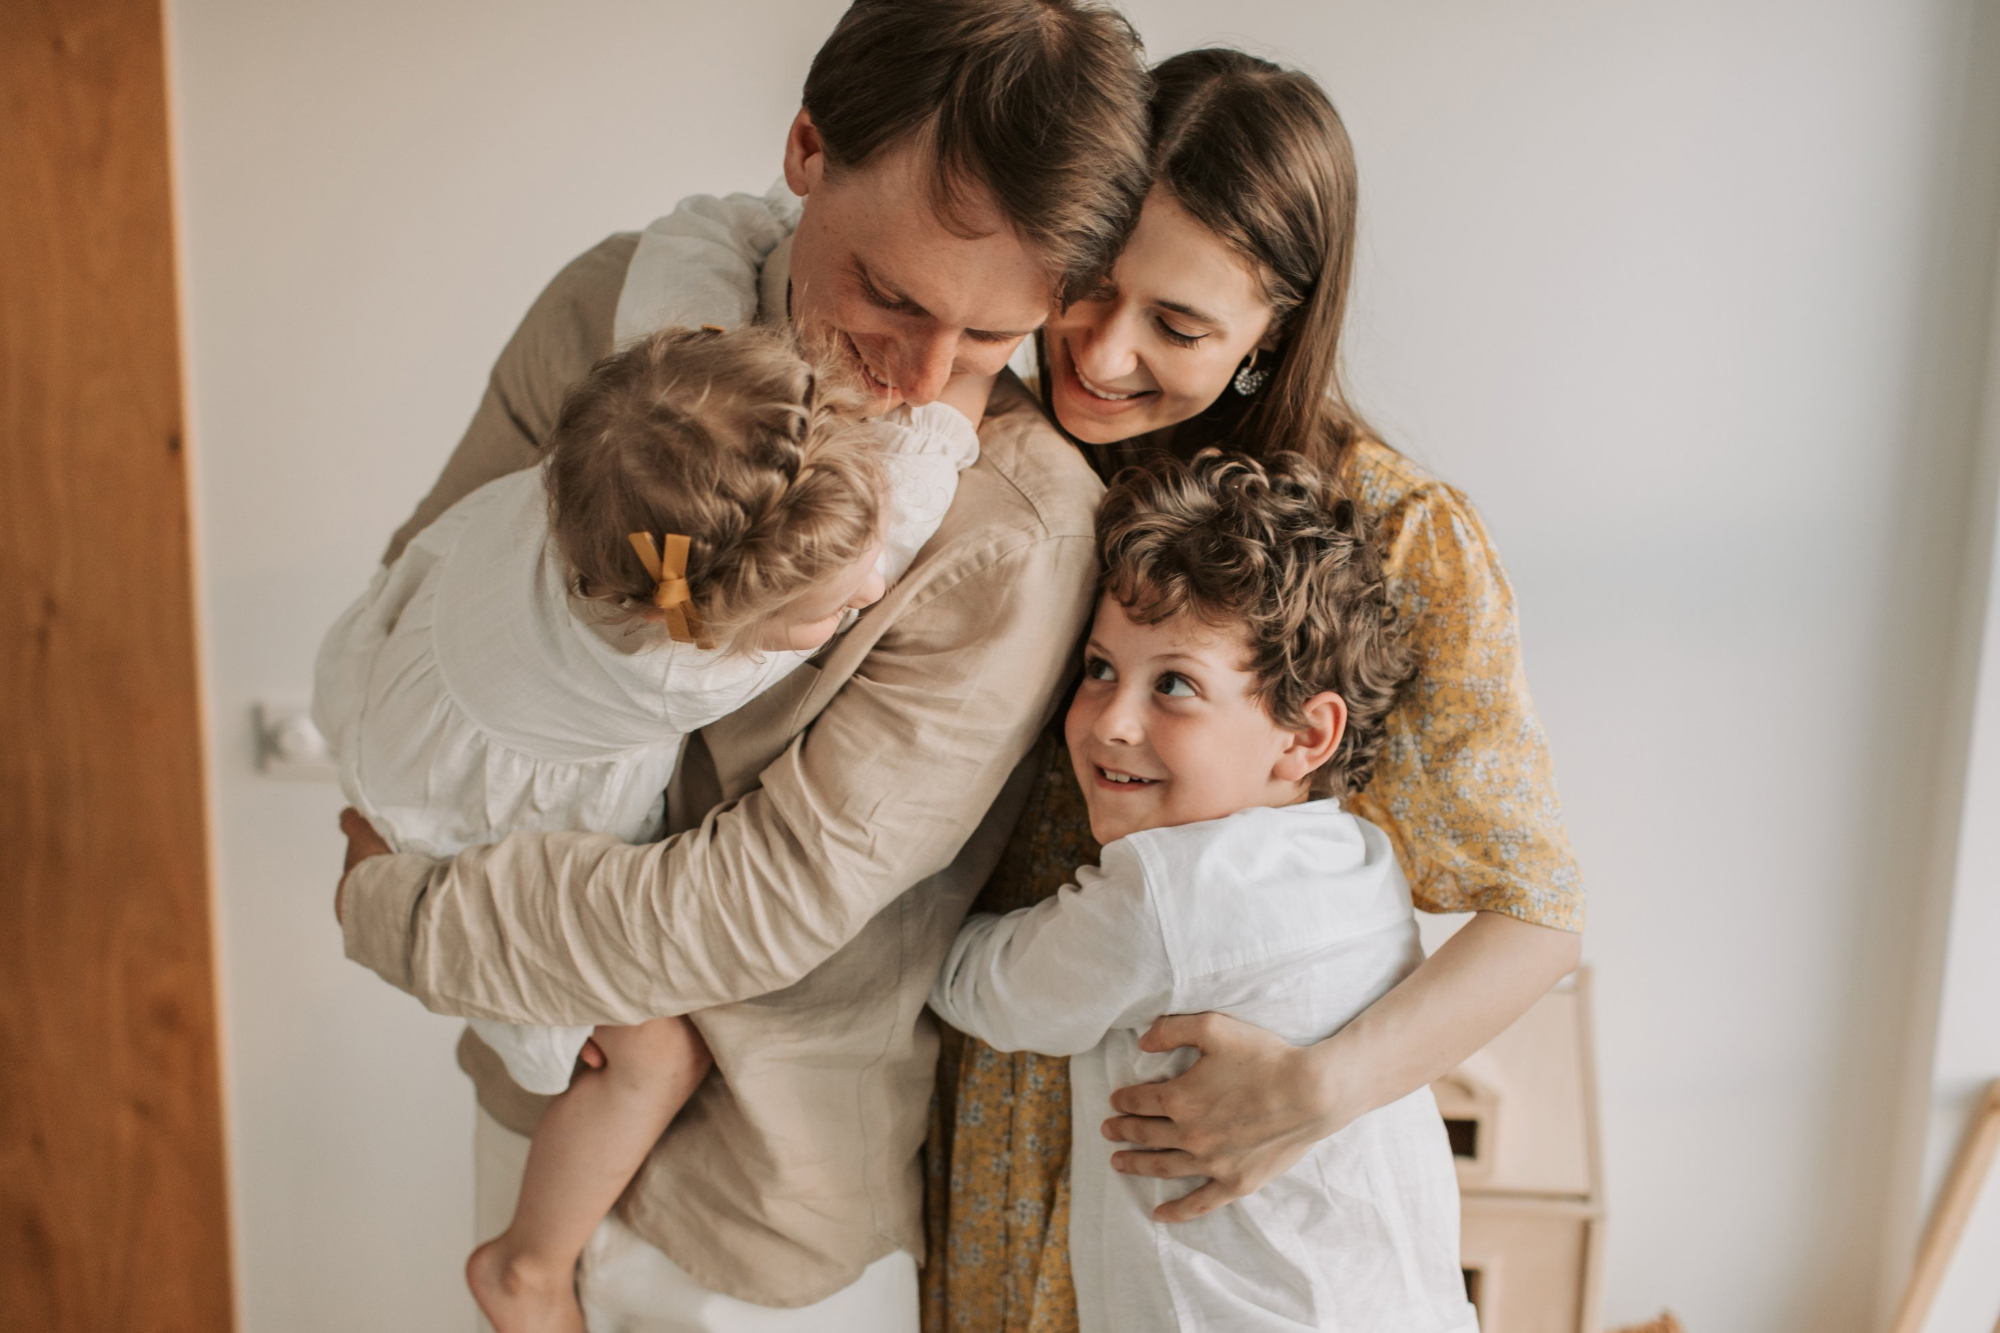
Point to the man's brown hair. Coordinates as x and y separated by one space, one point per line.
1041 102
1263 548
737 441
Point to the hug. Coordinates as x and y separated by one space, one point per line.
915 719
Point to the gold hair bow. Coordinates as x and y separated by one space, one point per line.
666 561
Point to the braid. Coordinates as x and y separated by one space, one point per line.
735 440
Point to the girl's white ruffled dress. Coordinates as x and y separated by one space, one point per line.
467 695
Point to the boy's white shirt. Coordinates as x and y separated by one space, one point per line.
1294 919
464 696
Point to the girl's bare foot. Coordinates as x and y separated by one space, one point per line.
519 1295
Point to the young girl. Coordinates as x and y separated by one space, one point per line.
1235 683
711 509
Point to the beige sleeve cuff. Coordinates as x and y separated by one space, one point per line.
378 909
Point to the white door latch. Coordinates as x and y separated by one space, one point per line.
289 745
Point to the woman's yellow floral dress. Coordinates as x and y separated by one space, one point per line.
1465 790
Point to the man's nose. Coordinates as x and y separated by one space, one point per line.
925 365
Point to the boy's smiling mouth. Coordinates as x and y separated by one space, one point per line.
1115 778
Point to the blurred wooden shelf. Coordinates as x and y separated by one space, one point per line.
1522 1119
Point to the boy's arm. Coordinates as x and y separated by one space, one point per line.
1055 977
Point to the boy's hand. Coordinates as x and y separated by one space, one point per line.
362 842
968 393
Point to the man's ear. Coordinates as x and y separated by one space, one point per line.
805 155
1313 744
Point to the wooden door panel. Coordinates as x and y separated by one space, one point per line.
112 1202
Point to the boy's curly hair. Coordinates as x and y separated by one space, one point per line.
737 440
1265 548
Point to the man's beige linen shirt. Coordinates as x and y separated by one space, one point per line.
826 841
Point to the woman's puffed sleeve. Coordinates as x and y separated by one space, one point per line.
1464 785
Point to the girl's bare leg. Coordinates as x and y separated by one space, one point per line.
587 1148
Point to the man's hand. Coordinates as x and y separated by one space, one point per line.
362 842
968 393
1241 1115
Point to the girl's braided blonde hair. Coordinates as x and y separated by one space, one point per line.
740 441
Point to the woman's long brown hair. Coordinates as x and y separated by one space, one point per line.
1257 154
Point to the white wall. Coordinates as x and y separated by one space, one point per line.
1957 1001
1965 1056
1654 284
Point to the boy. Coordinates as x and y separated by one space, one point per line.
1236 677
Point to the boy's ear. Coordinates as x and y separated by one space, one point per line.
1314 743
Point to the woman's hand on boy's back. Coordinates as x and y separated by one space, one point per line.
1241 1115
1249 1108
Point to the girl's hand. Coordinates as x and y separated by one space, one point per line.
968 393
362 842
1241 1115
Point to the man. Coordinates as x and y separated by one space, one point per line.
962 163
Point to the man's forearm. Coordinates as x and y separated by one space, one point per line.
1464 995
882 792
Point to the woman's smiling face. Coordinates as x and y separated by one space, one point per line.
1161 343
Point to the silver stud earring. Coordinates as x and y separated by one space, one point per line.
1248 378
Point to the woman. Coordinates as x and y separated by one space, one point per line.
1221 323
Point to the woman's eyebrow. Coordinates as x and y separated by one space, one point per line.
1200 316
